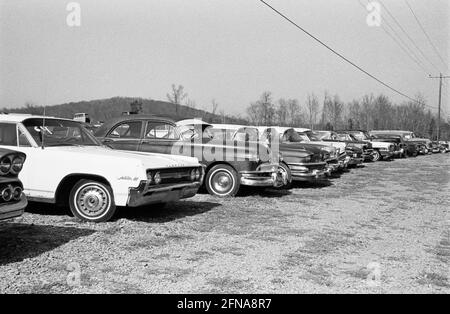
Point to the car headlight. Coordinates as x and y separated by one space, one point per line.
157 178
7 193
17 165
305 159
197 174
5 165
193 174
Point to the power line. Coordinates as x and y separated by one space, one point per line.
426 34
440 77
399 41
337 53
408 36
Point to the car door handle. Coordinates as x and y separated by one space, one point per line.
107 141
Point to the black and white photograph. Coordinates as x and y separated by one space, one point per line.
224 153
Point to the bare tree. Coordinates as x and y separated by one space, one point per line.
176 96
214 105
282 112
253 113
191 103
312 106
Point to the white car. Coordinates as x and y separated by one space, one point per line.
66 165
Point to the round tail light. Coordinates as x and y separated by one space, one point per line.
5 165
7 194
17 193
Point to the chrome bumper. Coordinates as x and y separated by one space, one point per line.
308 171
343 163
145 195
267 175
355 161
12 210
386 154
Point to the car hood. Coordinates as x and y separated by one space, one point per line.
419 140
338 145
300 146
148 160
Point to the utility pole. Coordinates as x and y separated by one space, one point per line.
440 77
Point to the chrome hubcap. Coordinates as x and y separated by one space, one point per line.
92 200
222 182
376 156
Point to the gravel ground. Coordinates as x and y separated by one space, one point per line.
381 228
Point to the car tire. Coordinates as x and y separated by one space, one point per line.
376 156
285 168
222 180
92 201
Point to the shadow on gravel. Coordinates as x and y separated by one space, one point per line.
312 185
22 241
47 209
161 213
261 192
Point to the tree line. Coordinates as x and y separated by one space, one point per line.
328 113
331 113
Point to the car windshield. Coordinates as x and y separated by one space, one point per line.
360 136
313 137
56 132
292 136
343 137
197 132
304 137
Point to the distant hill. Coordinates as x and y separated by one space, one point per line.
104 109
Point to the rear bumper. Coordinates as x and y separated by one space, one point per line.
11 210
145 195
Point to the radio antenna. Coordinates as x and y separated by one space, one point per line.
43 130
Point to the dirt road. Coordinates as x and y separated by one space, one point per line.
383 228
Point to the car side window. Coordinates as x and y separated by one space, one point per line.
8 134
159 130
127 130
23 140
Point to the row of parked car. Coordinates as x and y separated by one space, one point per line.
138 160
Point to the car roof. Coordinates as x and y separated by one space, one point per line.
229 126
108 124
20 117
390 131
301 130
279 129
191 122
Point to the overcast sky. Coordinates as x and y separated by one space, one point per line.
230 50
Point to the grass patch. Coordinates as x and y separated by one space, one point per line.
227 284
433 279
318 275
